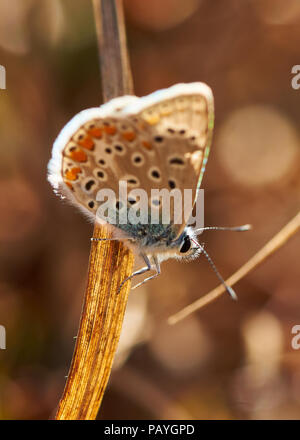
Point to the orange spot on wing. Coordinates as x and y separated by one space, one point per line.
129 135
152 119
69 185
78 155
95 132
166 111
87 143
147 145
110 129
72 174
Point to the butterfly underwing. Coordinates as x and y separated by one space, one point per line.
160 141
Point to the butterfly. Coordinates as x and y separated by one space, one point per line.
160 141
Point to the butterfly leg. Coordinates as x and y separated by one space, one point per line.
111 239
102 239
138 272
157 267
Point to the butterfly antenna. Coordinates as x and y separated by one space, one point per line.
228 288
225 228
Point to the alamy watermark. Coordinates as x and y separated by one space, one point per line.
2 77
2 337
164 207
296 79
296 339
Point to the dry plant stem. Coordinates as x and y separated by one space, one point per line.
273 245
113 55
110 261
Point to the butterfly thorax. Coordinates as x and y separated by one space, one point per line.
162 240
150 235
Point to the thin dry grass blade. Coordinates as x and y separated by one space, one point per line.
272 246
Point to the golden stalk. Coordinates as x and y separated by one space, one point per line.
110 261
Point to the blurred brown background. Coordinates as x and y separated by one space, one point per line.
229 360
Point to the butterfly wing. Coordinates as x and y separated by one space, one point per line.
84 155
155 142
176 125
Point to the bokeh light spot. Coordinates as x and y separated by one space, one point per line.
257 145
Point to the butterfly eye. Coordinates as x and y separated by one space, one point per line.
186 245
